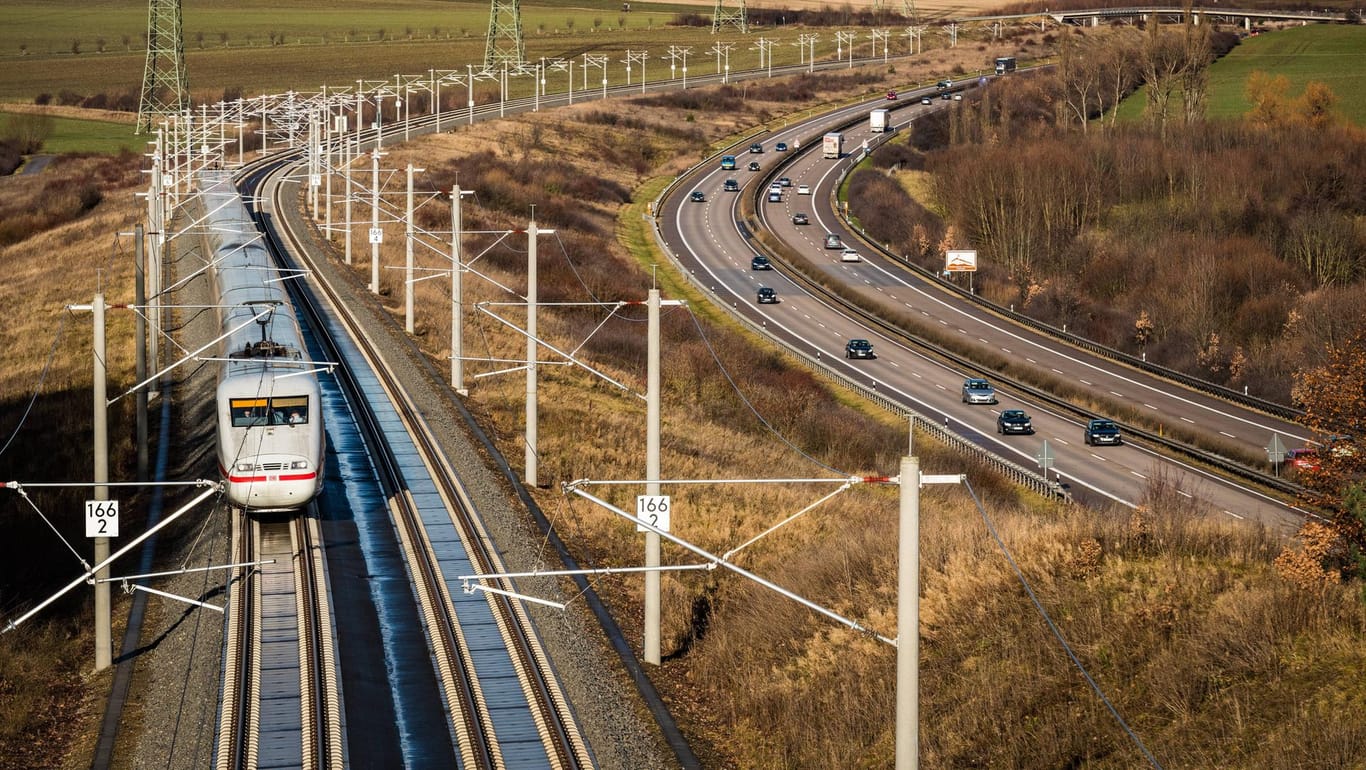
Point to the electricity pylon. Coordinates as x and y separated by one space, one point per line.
504 44
165 88
720 17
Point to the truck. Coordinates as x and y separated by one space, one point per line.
877 121
1005 64
832 145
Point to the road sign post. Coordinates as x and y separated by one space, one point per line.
1276 453
1045 458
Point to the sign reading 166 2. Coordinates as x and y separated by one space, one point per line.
101 518
653 509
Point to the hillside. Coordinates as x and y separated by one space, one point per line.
1209 655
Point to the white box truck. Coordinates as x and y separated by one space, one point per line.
877 121
832 145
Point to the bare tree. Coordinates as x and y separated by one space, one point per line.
1199 53
1080 61
1163 60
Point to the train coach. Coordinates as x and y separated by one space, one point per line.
270 433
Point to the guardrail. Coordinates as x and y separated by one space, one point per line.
1011 470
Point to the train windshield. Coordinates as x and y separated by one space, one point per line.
282 410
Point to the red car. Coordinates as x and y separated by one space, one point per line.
1305 459
891 96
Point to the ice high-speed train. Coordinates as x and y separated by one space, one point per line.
269 410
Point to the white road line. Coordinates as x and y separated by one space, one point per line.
1058 371
1234 515
1185 494
1187 419
1098 457
1230 435
1083 382
1140 475
1113 393
1030 360
1150 406
1005 350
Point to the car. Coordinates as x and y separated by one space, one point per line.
944 85
727 162
800 219
925 100
766 296
803 189
833 241
1303 459
731 186
784 182
978 391
958 97
698 196
760 262
858 349
775 197
891 96
1014 421
780 147
754 165
756 148
946 96
849 255
1102 432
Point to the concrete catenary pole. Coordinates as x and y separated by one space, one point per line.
376 235
652 433
100 446
531 412
408 256
140 340
908 620
457 307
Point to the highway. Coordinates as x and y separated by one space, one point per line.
714 242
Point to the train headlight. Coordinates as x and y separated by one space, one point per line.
246 467
299 465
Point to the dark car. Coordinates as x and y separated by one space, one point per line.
760 262
698 197
946 96
1102 432
944 85
978 391
731 186
756 148
754 165
800 219
858 349
767 296
1014 421
780 147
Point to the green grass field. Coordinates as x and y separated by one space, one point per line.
1331 54
95 136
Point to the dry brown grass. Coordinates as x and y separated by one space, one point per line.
1181 619
1213 658
42 680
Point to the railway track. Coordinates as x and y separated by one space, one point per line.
506 708
280 701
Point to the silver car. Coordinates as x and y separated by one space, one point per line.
978 391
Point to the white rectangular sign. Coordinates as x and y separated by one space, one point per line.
961 261
315 180
376 235
101 518
653 509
